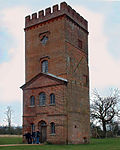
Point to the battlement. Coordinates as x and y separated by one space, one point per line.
43 16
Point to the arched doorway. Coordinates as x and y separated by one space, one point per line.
43 131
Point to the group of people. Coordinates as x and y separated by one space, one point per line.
33 138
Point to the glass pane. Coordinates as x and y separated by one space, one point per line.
44 40
42 99
52 127
52 99
32 100
45 66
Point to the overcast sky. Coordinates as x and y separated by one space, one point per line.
104 46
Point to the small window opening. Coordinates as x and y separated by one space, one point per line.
44 40
45 66
85 140
52 98
52 127
32 101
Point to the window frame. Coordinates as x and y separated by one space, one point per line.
52 99
44 66
52 128
44 40
32 101
42 99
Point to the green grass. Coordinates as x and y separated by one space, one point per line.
95 144
10 140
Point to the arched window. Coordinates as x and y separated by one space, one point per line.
45 66
32 101
42 98
52 98
52 125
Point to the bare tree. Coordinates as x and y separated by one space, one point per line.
104 109
114 127
8 114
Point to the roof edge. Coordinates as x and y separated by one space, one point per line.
46 74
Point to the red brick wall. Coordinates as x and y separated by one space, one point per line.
66 58
54 48
77 94
48 113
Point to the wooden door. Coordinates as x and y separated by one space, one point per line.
43 134
43 131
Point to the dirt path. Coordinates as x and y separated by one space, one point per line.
8 135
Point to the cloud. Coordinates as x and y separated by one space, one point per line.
104 69
108 0
12 72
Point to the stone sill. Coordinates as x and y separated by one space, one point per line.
32 106
52 104
53 134
41 105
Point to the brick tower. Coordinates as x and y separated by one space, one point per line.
56 92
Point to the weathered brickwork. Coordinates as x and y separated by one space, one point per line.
66 50
50 113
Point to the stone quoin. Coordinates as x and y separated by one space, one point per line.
56 89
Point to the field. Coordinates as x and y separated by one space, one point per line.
95 144
10 140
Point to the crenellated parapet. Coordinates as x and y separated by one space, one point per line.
48 14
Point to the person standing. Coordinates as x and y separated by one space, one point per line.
28 137
33 137
37 137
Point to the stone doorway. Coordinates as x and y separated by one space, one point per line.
43 131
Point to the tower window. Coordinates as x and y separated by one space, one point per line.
32 101
52 125
80 44
52 98
45 66
42 99
44 40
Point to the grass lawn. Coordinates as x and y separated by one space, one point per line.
10 140
95 144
